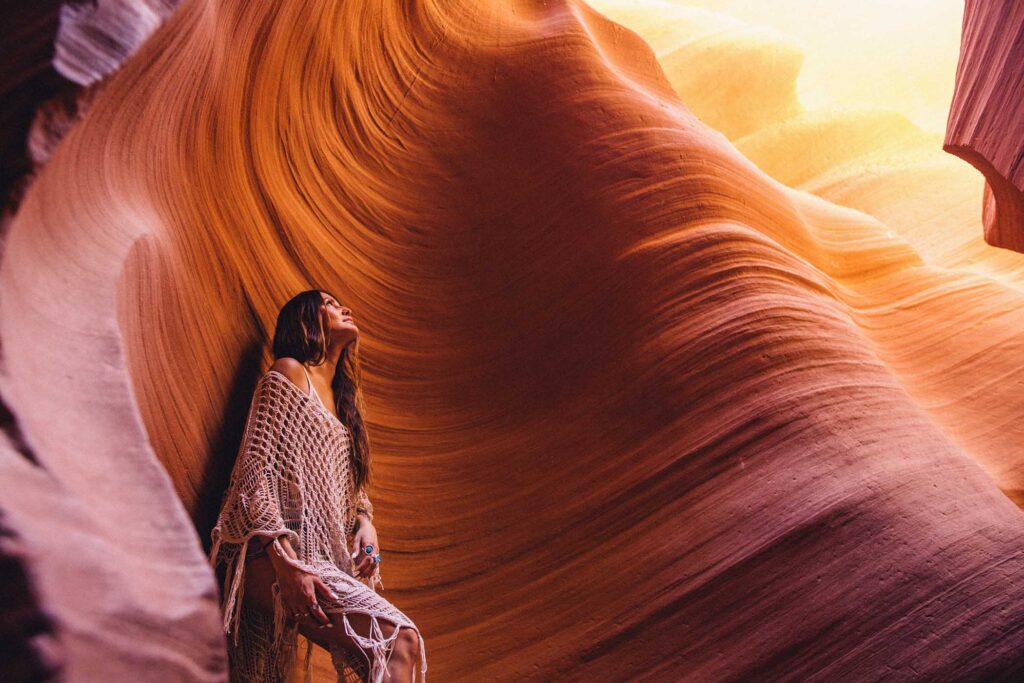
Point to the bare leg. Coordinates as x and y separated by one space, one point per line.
406 646
259 576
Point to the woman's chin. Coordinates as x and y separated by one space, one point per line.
344 335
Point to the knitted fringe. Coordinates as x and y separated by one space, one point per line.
233 601
285 636
381 647
308 664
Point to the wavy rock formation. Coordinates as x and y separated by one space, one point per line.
734 76
95 38
985 127
58 53
878 162
640 411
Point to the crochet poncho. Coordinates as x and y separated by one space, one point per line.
292 477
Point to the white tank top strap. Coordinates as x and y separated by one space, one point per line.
313 392
309 383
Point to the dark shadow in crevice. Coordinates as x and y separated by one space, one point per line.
216 475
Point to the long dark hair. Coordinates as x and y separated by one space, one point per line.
299 334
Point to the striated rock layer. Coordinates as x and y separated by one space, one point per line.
876 161
985 126
54 50
639 410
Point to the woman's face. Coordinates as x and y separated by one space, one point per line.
337 318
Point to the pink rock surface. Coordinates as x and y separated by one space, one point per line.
986 126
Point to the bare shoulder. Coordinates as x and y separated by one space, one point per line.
292 369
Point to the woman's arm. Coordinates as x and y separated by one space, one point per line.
362 519
299 588
366 535
252 505
265 541
364 508
280 563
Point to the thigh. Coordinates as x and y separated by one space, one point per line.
347 653
259 579
259 593
360 623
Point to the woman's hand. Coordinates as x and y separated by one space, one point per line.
299 590
365 536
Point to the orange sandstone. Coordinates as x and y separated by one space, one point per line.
639 410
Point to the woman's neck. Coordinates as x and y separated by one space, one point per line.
329 366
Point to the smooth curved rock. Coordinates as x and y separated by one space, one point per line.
58 53
97 36
734 76
985 126
876 161
639 410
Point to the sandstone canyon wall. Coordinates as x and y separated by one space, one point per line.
640 409
985 125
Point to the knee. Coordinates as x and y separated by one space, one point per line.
407 644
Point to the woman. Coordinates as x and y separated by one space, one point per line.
296 497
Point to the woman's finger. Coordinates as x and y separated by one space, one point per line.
313 609
323 589
320 616
298 611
